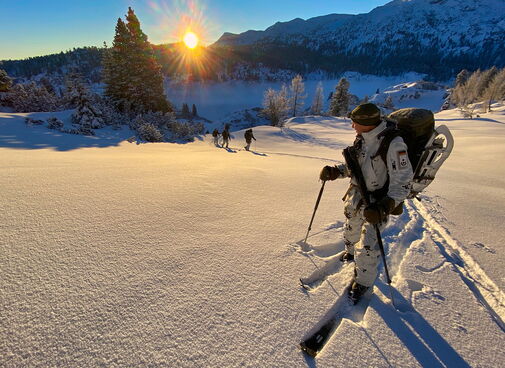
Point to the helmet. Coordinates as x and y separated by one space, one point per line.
366 114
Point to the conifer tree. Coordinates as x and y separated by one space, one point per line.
185 110
193 110
5 81
86 115
131 73
339 104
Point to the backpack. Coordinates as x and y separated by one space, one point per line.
428 147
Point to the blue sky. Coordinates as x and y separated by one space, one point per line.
40 27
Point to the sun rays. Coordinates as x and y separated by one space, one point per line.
183 22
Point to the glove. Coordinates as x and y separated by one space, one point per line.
330 173
379 211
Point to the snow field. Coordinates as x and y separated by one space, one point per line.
118 254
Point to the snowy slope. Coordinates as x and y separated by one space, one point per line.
170 255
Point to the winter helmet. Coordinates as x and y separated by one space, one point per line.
366 114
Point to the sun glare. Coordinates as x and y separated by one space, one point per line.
190 40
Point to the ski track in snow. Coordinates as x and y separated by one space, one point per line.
415 225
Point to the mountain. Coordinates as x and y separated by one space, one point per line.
436 37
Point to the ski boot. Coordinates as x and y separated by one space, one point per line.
347 257
356 291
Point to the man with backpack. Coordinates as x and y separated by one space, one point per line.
248 135
387 177
215 134
226 136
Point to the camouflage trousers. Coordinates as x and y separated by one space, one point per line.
361 240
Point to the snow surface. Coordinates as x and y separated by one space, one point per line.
187 255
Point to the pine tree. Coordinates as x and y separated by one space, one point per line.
185 110
317 104
86 115
339 104
193 111
131 73
297 97
5 81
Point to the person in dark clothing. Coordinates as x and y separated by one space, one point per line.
248 135
226 137
215 134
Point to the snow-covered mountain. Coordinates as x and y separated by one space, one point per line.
431 36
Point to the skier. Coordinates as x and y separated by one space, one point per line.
215 134
248 135
226 136
388 185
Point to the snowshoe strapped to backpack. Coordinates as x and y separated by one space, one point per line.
428 147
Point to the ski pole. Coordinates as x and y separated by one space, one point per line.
315 209
383 255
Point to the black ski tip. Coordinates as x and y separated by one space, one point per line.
308 350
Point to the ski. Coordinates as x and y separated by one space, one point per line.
317 338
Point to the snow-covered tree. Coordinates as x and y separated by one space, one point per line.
495 89
5 81
485 79
275 105
86 116
339 105
318 103
464 95
297 97
132 75
461 78
388 103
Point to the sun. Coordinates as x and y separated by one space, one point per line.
190 40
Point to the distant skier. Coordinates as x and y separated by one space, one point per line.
248 135
388 185
226 136
215 134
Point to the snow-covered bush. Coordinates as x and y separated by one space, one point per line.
32 98
54 123
112 116
185 130
149 133
30 121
